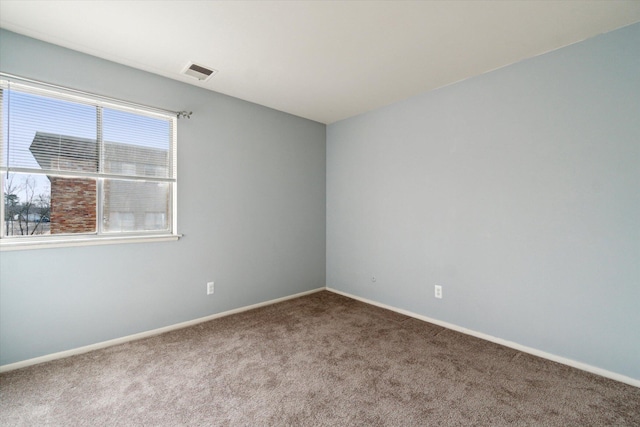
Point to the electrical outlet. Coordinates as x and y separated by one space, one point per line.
438 291
210 288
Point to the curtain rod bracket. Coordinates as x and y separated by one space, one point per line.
184 114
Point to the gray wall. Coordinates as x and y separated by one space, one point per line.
251 203
518 191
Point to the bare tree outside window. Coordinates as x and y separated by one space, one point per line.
27 206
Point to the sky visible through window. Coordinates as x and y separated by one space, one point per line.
24 114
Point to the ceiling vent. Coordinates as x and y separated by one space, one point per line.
198 71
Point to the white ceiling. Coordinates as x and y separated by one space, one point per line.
323 60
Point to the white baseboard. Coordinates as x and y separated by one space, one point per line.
559 359
116 341
523 348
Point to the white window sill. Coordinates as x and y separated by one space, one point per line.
19 244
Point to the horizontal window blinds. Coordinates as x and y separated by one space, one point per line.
73 164
69 135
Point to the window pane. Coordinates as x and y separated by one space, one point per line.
136 145
38 204
72 164
135 205
47 133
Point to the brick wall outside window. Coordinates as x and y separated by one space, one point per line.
73 205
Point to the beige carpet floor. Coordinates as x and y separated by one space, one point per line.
319 360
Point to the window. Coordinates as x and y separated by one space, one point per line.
83 168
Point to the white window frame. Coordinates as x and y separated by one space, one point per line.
9 243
